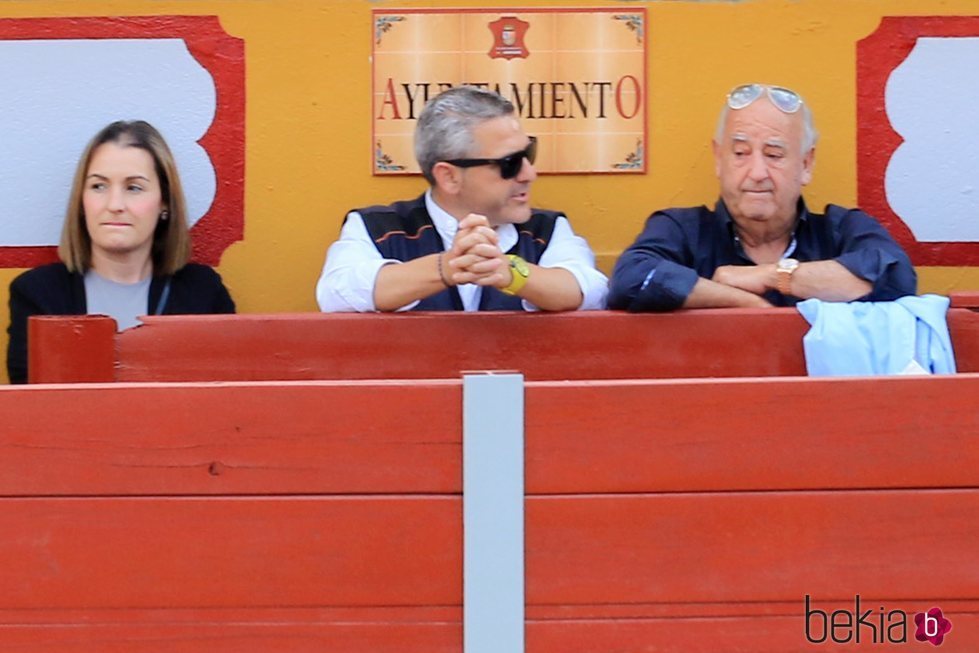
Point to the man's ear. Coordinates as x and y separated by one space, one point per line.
717 158
448 178
808 161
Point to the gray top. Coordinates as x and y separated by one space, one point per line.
121 301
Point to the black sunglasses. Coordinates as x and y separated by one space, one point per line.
510 164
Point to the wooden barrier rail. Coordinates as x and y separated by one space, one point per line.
594 345
670 515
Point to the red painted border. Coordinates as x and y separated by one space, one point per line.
223 56
527 10
877 57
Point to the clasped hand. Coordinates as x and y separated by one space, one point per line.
755 279
475 255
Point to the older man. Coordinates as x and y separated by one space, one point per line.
760 246
472 241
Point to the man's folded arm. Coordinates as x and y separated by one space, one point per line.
707 293
568 267
869 253
400 286
829 281
550 289
650 275
870 266
354 267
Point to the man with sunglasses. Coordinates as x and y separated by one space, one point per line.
760 246
472 241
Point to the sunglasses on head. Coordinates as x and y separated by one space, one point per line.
785 100
510 165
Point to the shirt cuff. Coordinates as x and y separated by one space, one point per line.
667 288
351 289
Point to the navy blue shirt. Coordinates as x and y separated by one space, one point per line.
659 270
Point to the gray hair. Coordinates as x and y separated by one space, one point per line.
445 126
809 133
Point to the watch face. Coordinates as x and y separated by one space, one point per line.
520 266
787 265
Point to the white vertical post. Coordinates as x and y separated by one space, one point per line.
493 513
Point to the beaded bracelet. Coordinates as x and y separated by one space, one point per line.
442 274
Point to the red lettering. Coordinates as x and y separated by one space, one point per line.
390 99
637 92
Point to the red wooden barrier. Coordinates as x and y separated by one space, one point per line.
690 515
595 345
965 299
605 437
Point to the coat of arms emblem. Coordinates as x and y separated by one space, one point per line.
508 38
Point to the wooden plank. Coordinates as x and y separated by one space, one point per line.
963 328
760 434
403 436
230 552
772 634
78 348
757 635
605 345
965 299
234 638
255 615
755 342
733 609
231 439
758 546
413 615
387 551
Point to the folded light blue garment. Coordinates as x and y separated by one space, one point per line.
905 336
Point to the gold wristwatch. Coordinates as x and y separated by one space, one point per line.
519 272
785 269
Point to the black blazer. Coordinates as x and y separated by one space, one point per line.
53 290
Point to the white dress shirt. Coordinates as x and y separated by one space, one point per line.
353 261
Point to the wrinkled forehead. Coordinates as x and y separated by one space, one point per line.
763 122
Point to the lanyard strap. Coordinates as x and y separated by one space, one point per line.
164 296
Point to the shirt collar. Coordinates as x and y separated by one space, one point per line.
721 211
445 224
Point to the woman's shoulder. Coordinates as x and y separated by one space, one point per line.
196 271
42 276
50 290
199 289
